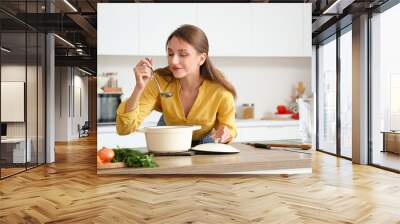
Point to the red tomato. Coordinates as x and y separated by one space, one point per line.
106 154
281 109
296 116
99 161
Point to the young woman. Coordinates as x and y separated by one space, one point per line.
200 93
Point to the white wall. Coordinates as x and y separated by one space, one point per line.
33 127
61 103
67 114
13 72
17 73
264 81
79 117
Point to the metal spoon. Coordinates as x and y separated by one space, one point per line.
162 93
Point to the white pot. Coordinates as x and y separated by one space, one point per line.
169 138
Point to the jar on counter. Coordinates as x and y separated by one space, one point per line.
245 111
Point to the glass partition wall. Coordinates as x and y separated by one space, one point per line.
13 84
346 94
22 79
334 101
334 93
385 89
327 96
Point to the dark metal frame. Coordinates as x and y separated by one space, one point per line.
73 90
369 90
338 98
317 97
37 92
25 89
45 89
387 5
0 93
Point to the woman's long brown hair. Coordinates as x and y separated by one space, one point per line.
198 39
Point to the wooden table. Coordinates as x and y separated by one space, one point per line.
249 161
391 141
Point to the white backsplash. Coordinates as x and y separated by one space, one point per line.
266 82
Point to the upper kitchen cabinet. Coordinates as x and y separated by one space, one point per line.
118 29
157 21
233 29
307 30
228 28
281 30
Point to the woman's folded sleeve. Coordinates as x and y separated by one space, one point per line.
128 122
226 113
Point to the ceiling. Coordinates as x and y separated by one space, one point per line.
77 22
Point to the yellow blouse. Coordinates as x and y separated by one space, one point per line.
213 106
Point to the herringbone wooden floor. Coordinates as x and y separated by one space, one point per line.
69 191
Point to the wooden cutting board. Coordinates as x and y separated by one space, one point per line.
250 160
111 165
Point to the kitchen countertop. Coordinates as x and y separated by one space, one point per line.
240 123
249 161
263 123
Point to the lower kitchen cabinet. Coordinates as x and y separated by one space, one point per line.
248 130
267 130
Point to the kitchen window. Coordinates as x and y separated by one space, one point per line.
385 89
346 92
327 96
334 77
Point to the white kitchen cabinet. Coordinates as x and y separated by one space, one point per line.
118 28
267 133
157 21
228 28
233 29
107 136
281 30
267 130
307 30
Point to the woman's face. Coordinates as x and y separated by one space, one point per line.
183 59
